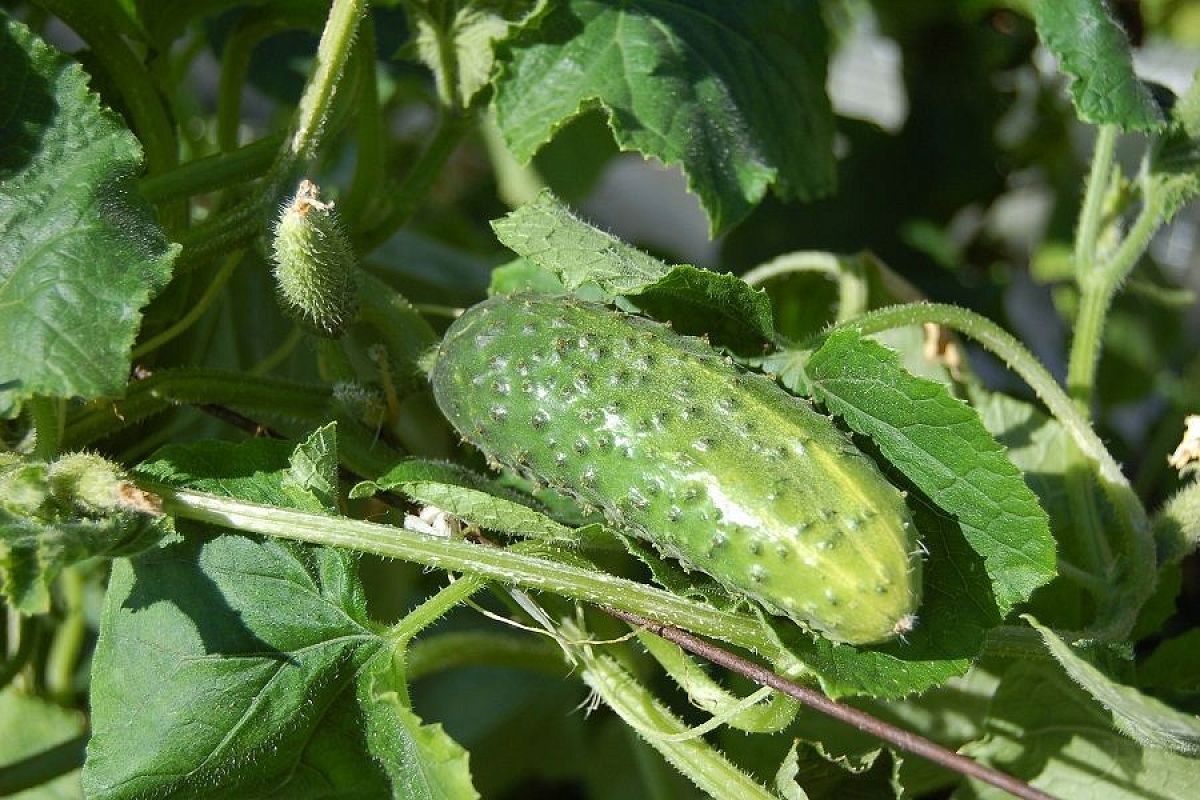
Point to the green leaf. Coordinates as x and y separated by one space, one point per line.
36 725
548 234
698 301
733 94
1144 719
466 495
1093 50
426 764
313 468
230 666
522 275
810 773
226 666
1045 730
599 266
80 254
939 443
473 29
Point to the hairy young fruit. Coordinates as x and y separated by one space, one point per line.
719 468
314 264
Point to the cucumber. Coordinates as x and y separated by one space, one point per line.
719 468
314 264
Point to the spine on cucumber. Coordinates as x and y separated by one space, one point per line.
716 467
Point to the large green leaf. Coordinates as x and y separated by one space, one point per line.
1091 48
734 93
80 254
229 666
1047 731
939 443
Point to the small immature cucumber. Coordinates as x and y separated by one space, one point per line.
717 467
314 264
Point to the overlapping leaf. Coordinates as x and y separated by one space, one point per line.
471 497
597 265
1091 48
80 255
939 443
1143 718
1045 730
732 93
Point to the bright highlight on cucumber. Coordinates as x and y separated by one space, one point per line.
716 467
314 264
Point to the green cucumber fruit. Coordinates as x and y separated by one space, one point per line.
314 264
719 468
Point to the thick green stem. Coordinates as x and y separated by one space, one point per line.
506 565
369 170
1091 213
434 608
332 52
213 172
168 388
224 232
1098 287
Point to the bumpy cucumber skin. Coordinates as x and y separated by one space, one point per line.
716 467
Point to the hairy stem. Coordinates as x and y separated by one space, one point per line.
1090 214
332 53
1098 286
213 172
508 566
369 168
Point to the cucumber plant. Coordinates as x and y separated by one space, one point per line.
361 492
